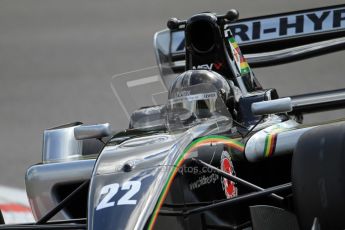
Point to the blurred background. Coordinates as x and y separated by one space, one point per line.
57 59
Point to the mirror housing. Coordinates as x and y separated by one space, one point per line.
60 144
282 105
92 131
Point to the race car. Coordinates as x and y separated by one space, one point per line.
212 148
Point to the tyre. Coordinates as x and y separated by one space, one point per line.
318 177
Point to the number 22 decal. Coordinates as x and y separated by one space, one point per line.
110 191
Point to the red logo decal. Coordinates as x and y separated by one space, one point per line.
226 165
218 65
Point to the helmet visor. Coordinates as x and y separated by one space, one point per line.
192 105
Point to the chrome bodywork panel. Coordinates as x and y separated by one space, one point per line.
146 160
60 143
284 136
149 158
42 178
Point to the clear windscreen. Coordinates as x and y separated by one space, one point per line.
143 97
137 89
193 105
170 54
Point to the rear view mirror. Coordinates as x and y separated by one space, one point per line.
92 131
282 105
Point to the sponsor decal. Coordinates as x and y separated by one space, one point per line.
212 66
204 66
194 97
287 25
203 180
183 93
203 141
218 66
278 27
226 165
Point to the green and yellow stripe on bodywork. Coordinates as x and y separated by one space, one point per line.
233 42
271 141
244 67
203 141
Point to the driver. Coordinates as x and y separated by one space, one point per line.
204 106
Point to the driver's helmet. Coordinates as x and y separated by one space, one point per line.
205 107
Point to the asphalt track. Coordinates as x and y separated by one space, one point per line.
57 59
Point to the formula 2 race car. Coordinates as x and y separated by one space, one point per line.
212 149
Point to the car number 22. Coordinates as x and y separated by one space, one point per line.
111 190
